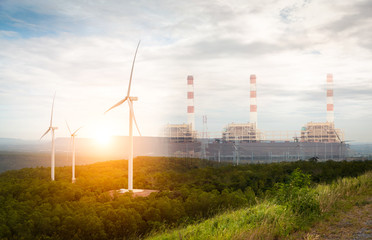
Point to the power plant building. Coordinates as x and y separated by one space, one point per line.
245 132
179 133
324 131
244 142
242 132
321 132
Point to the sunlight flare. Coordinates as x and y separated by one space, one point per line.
102 136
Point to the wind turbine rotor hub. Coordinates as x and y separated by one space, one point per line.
133 98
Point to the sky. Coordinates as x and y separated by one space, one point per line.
83 51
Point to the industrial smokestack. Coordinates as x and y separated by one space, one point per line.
330 110
253 101
190 102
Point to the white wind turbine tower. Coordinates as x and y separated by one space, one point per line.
52 129
130 100
73 134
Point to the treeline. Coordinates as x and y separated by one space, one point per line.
12 160
33 207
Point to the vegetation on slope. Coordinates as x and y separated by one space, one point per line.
33 207
295 206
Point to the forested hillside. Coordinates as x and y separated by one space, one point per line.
33 207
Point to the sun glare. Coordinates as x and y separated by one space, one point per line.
101 131
102 137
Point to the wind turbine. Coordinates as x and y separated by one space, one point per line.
130 100
73 134
52 129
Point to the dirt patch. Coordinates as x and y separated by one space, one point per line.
136 193
145 193
355 224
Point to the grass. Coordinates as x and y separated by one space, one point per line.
346 211
332 194
231 225
268 220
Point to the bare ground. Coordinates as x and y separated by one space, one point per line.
354 224
142 193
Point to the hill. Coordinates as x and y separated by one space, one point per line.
190 190
275 219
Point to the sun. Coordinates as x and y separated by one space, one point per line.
102 137
101 131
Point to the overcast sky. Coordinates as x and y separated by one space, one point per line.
83 50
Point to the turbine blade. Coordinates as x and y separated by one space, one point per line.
77 130
131 72
117 104
68 127
134 117
51 116
45 133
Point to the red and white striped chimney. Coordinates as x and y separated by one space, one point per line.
330 110
253 101
190 102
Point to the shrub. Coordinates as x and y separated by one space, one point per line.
297 194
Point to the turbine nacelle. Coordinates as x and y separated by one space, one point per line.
73 134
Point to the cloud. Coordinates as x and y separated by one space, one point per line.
8 34
231 48
84 51
354 22
353 16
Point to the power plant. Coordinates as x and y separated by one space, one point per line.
184 133
244 142
245 132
